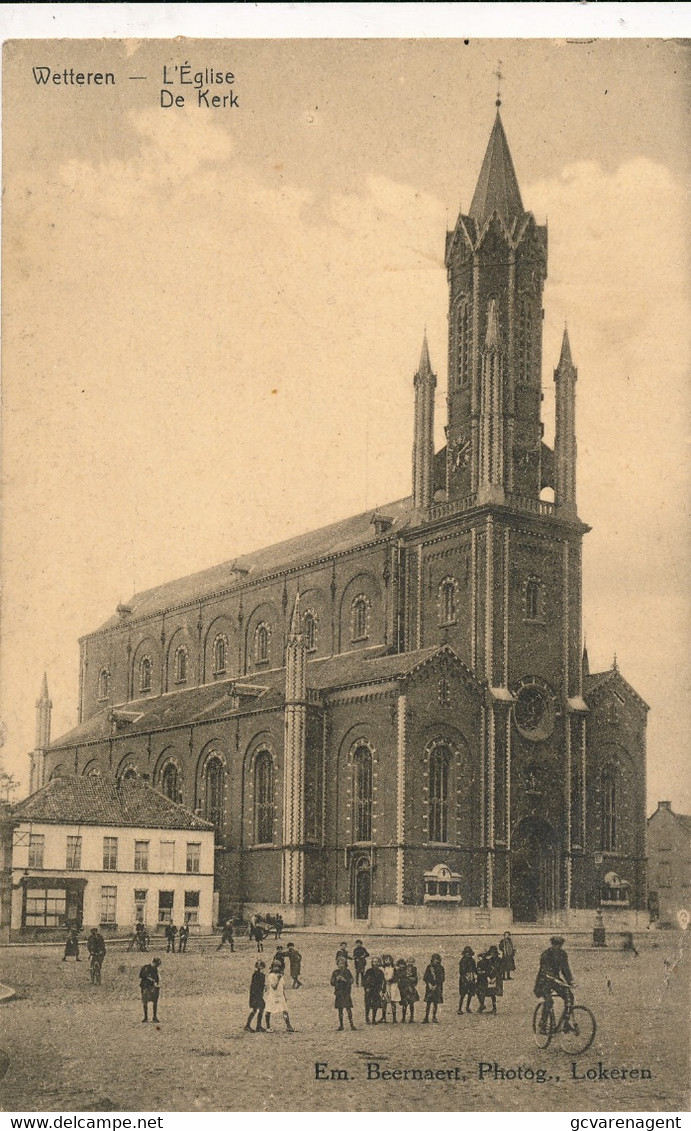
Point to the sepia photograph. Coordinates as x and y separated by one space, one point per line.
345 628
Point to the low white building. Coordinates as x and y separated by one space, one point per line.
90 851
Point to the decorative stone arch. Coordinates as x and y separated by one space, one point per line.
313 602
255 822
163 777
354 740
448 599
263 617
179 642
147 649
310 629
127 768
221 627
534 599
58 772
103 685
92 769
359 612
450 790
212 785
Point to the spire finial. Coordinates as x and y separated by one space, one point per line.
425 364
615 666
499 77
565 356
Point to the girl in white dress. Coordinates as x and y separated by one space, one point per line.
275 997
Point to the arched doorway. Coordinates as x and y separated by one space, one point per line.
534 871
363 888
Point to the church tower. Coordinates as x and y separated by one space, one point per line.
37 757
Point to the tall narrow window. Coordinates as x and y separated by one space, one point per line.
110 854
220 654
194 856
309 632
439 794
181 665
533 594
264 798
165 906
74 853
141 856
261 644
213 782
109 897
525 343
103 683
167 856
359 618
170 785
145 674
464 344
609 810
191 906
362 794
447 601
37 844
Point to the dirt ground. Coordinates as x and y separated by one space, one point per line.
76 1047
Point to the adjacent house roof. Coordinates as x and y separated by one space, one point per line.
103 801
597 680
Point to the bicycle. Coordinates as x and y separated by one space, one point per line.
575 1037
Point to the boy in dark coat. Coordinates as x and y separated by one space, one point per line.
360 956
508 955
149 984
342 982
96 946
295 964
227 935
170 933
257 985
434 988
467 978
374 984
183 936
490 983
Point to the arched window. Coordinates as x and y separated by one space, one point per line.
608 794
525 343
262 637
103 683
130 774
145 668
359 618
448 591
309 631
533 599
464 344
170 783
439 763
181 664
220 654
263 798
362 794
213 793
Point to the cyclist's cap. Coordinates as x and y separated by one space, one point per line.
556 940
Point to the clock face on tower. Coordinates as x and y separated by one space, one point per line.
534 709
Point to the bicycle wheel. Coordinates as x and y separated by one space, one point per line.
581 1034
541 1023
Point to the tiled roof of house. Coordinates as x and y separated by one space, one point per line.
103 801
339 536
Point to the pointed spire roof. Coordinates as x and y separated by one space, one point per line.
565 359
44 697
585 662
497 186
425 365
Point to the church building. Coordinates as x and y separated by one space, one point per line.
391 721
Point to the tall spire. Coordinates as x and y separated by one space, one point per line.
497 187
37 758
425 383
565 356
565 377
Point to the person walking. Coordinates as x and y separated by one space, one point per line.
96 947
171 934
227 935
360 956
183 936
507 949
434 988
275 997
150 987
72 945
392 994
295 965
467 978
342 982
374 986
257 986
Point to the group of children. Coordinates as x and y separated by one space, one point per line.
267 991
388 985
483 977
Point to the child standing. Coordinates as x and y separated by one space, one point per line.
257 997
275 997
374 986
295 964
360 956
467 977
342 982
434 987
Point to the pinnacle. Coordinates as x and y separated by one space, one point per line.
565 356
497 187
44 687
425 365
295 617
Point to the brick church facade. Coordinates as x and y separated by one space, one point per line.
391 721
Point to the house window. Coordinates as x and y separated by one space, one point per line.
140 905
141 856
181 665
439 794
220 654
109 897
359 617
533 599
362 794
448 591
194 856
103 683
261 644
191 906
608 795
167 855
145 674
37 845
169 782
213 794
264 798
74 853
110 854
165 906
45 907
309 632
664 875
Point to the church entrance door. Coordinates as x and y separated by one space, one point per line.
534 872
363 889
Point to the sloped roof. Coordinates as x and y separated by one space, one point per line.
336 538
497 187
102 801
592 682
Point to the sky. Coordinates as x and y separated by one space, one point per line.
212 317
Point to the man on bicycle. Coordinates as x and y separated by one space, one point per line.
554 977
